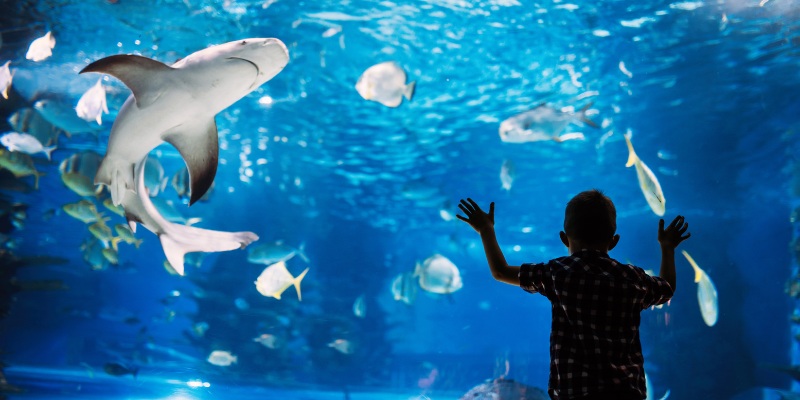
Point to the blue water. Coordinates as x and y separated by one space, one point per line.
707 90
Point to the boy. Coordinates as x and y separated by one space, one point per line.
595 353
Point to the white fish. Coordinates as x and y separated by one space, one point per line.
404 288
507 174
222 358
706 292
543 123
176 240
275 279
177 104
437 274
6 76
26 143
154 179
343 346
647 182
41 48
385 83
267 340
271 253
92 104
360 307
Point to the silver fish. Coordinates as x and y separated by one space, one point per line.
543 123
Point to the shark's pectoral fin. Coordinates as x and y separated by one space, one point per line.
199 146
142 75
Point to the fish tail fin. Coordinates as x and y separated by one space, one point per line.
192 221
301 251
584 118
5 92
409 90
117 175
115 243
698 273
36 176
48 152
138 242
99 119
632 158
296 283
177 240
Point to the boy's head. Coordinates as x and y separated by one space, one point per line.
591 220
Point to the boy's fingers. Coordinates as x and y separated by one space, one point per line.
466 207
491 208
660 225
473 204
462 218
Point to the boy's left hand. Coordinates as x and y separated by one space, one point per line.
476 218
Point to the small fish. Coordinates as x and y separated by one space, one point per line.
27 120
126 235
647 181
26 143
385 83
199 329
92 104
80 184
107 203
84 163
360 307
117 369
404 288
221 358
268 340
275 279
20 164
103 233
41 48
507 174
83 210
6 76
437 274
93 254
271 253
63 116
111 255
706 292
543 123
154 179
182 185
343 346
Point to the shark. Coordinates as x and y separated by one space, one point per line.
176 239
177 104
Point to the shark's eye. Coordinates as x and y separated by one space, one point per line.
244 42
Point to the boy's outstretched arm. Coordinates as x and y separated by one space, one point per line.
483 223
669 239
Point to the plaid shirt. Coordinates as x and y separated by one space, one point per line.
594 337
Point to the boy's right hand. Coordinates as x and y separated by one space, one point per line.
476 218
671 237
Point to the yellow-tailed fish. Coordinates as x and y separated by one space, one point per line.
102 232
275 279
107 203
111 255
706 292
20 164
126 235
647 181
84 211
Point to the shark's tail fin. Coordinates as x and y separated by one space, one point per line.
117 175
177 240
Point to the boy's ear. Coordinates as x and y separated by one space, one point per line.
564 238
613 242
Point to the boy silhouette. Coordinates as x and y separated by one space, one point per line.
595 353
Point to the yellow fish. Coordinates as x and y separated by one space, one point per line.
84 211
647 181
706 292
20 164
275 279
107 203
126 235
102 232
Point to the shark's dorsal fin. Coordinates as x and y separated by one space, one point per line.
136 72
200 152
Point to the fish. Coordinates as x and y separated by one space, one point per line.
80 184
543 123
275 279
343 346
385 83
177 104
92 104
271 253
437 274
92 251
107 203
27 120
222 358
103 233
647 181
111 255
404 288
63 116
167 210
154 179
41 48
360 307
83 210
117 369
126 235
176 240
267 340
6 76
504 389
181 182
20 164
706 292
77 170
26 143
507 174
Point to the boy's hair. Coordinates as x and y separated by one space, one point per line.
590 218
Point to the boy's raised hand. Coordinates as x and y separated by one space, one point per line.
672 236
476 218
